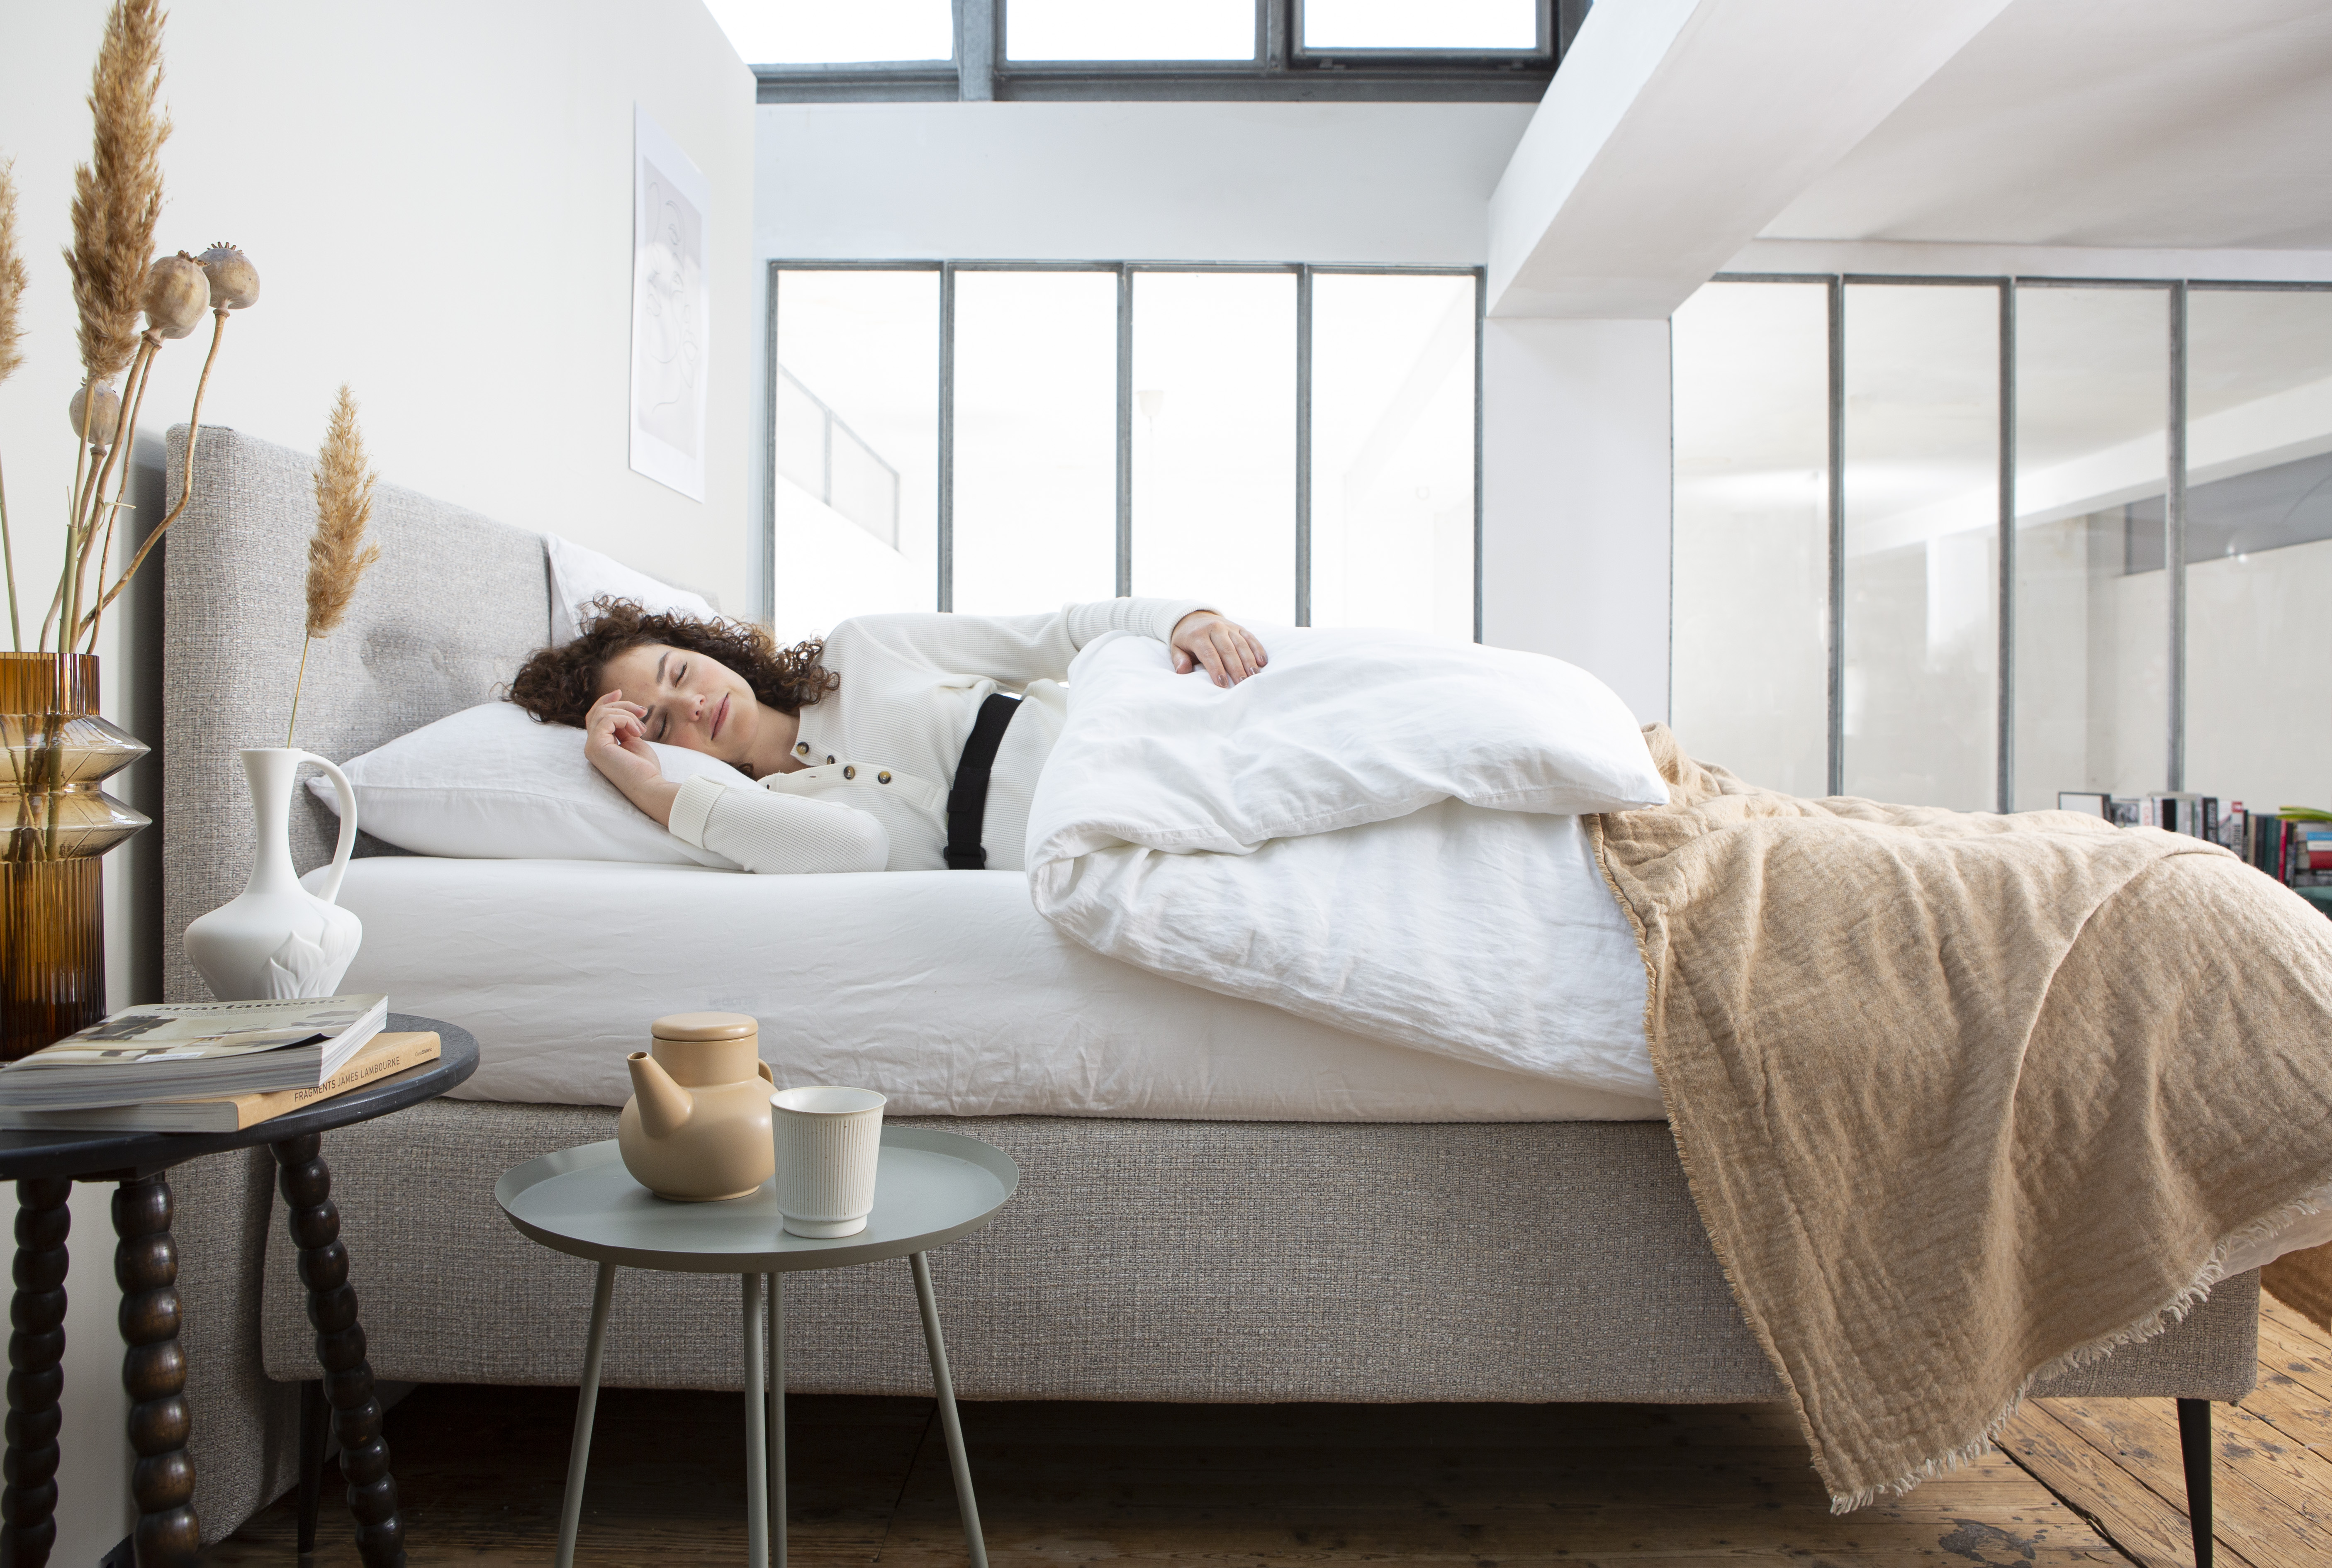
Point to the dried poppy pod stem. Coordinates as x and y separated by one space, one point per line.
115 467
194 440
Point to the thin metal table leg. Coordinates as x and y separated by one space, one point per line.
945 1385
778 1421
757 1459
587 1405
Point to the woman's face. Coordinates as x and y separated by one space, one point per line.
691 699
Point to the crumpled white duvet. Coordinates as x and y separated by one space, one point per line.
1379 831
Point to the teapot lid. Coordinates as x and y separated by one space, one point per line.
706 1026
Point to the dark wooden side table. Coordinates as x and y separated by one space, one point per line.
44 1166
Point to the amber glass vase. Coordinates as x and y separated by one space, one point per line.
60 825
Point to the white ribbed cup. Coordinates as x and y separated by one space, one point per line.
827 1139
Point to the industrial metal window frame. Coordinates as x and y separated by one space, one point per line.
1281 69
2173 480
1303 273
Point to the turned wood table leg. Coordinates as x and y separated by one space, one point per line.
306 1182
154 1373
36 1376
315 1420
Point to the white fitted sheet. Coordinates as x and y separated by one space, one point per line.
945 990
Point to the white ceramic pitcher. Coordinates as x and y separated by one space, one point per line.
277 940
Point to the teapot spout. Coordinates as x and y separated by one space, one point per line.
664 1106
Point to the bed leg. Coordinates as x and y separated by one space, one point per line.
2195 1447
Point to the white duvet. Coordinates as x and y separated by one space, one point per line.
1379 831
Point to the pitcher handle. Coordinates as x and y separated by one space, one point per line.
330 892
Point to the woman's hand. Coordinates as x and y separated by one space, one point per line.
617 744
1229 651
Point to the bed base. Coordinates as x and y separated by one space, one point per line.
1194 1261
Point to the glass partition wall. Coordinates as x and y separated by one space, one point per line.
2259 545
1752 373
1297 444
1974 542
1918 714
2092 647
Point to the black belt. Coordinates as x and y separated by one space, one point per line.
967 807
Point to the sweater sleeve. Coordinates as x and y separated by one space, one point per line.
1018 649
770 833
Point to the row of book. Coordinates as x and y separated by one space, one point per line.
206 1067
2292 844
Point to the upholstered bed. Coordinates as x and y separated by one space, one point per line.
1195 1257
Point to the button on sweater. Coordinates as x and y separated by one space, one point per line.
881 750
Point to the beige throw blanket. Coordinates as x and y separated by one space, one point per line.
1966 1099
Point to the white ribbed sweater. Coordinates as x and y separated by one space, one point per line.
882 747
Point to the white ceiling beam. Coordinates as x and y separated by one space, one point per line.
1677 129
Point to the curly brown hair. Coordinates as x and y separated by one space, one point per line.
557 685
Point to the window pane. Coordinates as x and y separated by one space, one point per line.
1922 542
2259 547
857 488
1752 367
1129 30
1407 25
1036 440
1393 453
823 32
1214 440
2092 613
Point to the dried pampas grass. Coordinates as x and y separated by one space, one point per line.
12 354
118 194
339 555
13 278
343 506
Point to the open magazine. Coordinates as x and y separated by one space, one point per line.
181 1049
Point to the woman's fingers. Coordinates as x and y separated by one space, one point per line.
1237 655
1226 651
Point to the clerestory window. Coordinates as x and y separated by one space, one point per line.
1498 50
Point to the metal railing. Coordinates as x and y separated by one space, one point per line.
812 446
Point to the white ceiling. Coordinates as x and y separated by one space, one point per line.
2147 123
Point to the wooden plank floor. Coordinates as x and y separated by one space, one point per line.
1245 1487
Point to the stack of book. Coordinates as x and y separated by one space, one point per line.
206 1067
2294 846
2172 811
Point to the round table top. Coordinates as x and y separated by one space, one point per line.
91 1154
929 1188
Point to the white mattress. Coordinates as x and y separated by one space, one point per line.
945 990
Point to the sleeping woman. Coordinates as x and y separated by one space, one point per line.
856 742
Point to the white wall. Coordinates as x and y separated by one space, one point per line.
1576 495
1274 182
438 198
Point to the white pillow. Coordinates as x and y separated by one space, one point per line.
578 575
489 783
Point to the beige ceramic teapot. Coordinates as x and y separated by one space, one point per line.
697 1125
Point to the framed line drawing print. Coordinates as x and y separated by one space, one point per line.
672 297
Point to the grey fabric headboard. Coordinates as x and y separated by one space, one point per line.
455 603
